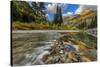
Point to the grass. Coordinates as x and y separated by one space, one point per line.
40 26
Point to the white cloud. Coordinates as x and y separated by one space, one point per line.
52 8
83 8
79 10
46 15
68 14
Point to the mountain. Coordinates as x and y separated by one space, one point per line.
85 20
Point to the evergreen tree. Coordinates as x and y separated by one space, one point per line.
58 15
24 12
39 8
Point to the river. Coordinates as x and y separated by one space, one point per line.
29 48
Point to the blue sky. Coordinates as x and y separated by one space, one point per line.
50 16
70 8
66 8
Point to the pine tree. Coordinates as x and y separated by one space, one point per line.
58 15
39 7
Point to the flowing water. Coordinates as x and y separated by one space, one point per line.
29 48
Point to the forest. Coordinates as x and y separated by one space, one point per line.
32 16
